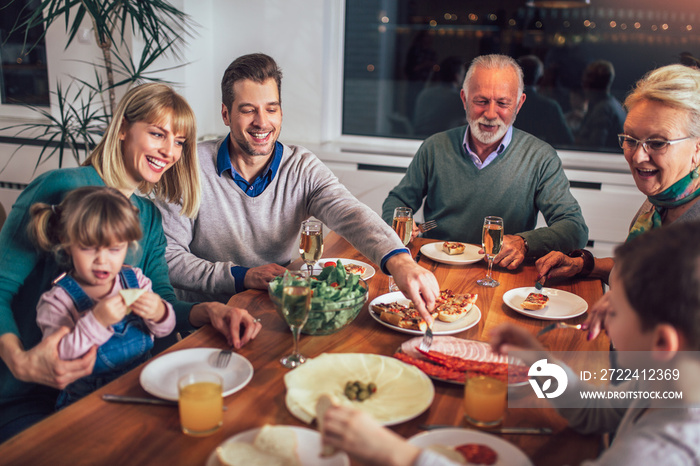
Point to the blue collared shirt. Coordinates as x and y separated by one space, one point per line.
223 164
499 150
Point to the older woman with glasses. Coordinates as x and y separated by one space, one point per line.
661 143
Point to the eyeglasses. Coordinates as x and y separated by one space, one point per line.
651 146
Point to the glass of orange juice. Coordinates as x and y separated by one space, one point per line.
484 400
201 403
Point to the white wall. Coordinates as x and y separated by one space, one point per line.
292 32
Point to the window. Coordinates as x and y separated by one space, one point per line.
403 62
23 75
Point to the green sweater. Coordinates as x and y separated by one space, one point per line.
26 273
526 178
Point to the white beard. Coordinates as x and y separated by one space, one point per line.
487 137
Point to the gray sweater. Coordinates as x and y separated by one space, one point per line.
525 178
233 229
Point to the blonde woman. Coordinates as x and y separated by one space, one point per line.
150 149
661 143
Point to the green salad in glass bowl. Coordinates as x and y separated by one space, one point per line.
337 298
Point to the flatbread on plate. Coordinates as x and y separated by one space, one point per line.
403 391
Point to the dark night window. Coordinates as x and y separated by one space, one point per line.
402 61
23 74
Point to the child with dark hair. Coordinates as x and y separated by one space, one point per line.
90 233
655 298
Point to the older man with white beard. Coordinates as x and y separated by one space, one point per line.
490 168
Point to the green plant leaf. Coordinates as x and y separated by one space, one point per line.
77 120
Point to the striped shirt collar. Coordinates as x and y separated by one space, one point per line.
501 147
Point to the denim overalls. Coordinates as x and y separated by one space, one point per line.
127 348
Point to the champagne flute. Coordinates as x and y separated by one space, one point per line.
311 243
403 226
491 241
294 307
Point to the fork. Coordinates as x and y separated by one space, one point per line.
558 325
427 340
429 225
222 359
539 283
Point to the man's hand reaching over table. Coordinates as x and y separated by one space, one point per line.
257 278
417 284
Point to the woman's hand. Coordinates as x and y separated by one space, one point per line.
596 317
227 320
110 310
556 264
41 364
149 306
358 434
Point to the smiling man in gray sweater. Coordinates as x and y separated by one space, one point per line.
256 192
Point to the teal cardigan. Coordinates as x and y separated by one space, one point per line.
26 273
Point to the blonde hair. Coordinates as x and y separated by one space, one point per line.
153 103
677 86
91 216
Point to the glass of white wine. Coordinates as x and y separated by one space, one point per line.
403 226
311 243
491 241
295 305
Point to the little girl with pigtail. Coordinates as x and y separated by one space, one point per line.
90 233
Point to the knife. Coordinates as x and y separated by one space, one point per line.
138 399
420 253
498 430
558 325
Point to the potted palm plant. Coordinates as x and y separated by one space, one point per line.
84 108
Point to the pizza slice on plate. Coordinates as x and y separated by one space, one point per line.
451 307
402 316
535 302
355 269
453 248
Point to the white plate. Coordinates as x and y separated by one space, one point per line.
369 270
160 376
561 304
308 448
508 454
435 252
328 374
439 328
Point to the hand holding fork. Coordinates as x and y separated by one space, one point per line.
419 229
426 226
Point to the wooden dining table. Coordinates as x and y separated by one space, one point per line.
93 431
